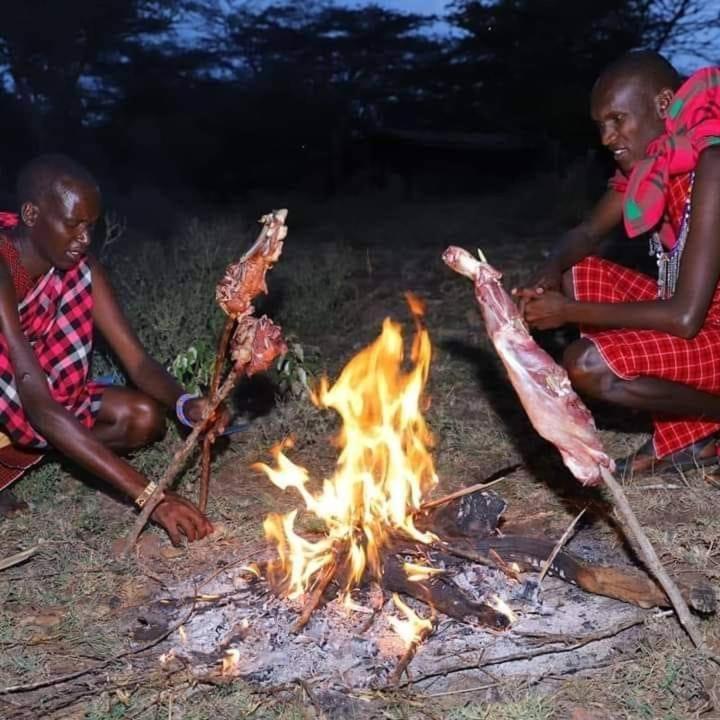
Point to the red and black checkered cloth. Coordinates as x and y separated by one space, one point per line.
692 124
56 316
635 353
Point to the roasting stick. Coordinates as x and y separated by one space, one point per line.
178 461
223 344
633 530
208 440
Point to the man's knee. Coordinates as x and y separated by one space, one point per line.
146 422
588 372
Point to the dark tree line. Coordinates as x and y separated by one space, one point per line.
230 93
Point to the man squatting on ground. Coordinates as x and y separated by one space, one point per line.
646 344
52 296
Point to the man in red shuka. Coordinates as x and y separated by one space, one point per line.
53 294
648 344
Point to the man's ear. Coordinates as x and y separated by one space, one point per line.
29 213
663 101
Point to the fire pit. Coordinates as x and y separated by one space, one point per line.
237 626
397 588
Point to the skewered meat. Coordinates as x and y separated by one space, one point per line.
255 344
245 279
544 389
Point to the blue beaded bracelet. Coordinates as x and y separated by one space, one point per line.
180 408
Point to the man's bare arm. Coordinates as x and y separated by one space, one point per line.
684 314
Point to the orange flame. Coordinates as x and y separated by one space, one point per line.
418 573
383 471
410 630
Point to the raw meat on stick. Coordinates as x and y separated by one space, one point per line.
544 389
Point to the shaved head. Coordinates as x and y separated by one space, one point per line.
648 69
43 176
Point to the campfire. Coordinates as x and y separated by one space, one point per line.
383 537
392 568
377 528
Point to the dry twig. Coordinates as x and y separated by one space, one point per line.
581 641
407 658
321 585
18 557
60 679
466 491
558 546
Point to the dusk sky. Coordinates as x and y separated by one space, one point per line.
422 6
685 62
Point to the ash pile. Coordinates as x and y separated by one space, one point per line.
390 633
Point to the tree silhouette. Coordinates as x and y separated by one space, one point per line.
227 93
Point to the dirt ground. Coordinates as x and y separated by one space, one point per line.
66 650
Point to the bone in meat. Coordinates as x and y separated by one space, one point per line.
544 389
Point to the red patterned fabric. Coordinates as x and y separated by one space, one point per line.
56 316
678 189
635 353
14 462
20 276
692 124
8 220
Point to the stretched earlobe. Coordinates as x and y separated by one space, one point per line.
663 102
29 213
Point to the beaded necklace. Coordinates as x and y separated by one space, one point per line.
668 261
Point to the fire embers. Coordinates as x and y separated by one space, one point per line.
255 344
245 280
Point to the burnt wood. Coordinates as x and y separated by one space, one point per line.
441 593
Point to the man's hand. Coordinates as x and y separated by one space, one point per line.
546 310
195 408
547 278
179 517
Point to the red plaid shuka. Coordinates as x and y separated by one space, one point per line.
56 316
692 124
635 353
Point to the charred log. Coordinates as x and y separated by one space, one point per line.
441 593
474 515
628 584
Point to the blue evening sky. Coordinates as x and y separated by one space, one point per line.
428 7
685 63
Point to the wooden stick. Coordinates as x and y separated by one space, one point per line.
633 530
326 576
464 491
18 557
178 461
208 440
558 546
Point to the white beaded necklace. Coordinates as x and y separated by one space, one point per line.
668 261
